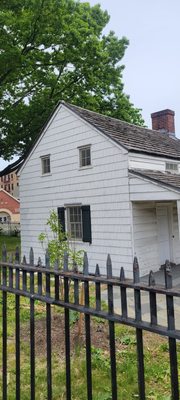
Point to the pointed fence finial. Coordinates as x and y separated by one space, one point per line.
136 270
122 274
65 261
85 264
168 275
17 255
4 253
39 263
109 267
11 258
31 256
97 271
56 265
151 279
75 267
47 259
24 260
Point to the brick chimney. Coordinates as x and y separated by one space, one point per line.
163 121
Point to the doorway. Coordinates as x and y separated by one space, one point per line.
164 229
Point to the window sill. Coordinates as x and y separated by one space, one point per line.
78 241
86 167
48 174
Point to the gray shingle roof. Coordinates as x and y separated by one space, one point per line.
132 137
166 178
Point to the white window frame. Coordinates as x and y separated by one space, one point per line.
81 149
43 166
70 223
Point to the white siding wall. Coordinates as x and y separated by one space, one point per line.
146 240
145 236
104 187
141 161
176 241
141 189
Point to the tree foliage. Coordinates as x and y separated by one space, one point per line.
53 50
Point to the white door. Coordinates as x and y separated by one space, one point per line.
164 233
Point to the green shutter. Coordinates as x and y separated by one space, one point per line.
86 223
61 217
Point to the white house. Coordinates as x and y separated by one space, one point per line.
115 186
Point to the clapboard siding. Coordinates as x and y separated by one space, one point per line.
145 236
176 234
140 161
104 187
141 189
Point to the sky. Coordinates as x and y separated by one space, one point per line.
152 60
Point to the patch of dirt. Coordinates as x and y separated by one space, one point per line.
99 336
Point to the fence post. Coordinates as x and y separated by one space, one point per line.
67 330
139 333
48 328
32 328
111 330
152 300
87 330
4 323
123 292
171 326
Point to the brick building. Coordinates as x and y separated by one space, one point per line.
9 208
10 183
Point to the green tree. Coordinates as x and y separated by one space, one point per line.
53 50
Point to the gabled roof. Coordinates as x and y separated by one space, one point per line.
12 167
9 195
165 178
131 137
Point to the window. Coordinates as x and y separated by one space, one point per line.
78 221
172 167
11 176
74 218
46 169
85 156
12 186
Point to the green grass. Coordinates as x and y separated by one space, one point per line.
156 364
11 243
156 357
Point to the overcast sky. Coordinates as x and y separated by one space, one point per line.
152 60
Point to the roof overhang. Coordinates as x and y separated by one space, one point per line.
150 188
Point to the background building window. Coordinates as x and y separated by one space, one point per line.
85 156
46 169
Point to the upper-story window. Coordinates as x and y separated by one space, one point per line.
85 156
173 167
46 167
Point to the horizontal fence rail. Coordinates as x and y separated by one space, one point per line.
26 279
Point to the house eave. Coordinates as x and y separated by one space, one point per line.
155 181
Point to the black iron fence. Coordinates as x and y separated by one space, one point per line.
24 279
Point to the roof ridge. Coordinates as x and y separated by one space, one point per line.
149 130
